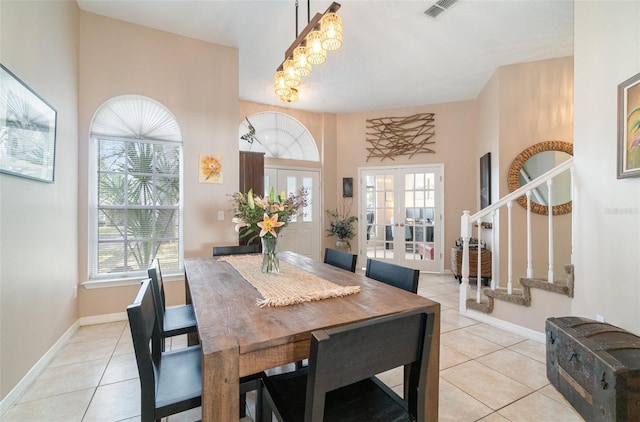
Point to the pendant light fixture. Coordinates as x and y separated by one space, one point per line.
323 33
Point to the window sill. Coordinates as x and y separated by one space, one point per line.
131 281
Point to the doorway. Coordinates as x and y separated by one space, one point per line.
302 234
402 209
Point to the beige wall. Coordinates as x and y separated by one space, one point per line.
38 221
455 127
198 83
534 104
607 235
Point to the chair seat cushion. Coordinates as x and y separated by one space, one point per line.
179 380
367 400
179 320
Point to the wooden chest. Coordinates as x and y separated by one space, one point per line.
596 366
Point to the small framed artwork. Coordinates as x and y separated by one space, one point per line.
27 130
210 168
485 180
347 187
629 128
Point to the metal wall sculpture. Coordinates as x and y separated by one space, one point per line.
395 136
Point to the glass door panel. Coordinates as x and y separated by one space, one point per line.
402 218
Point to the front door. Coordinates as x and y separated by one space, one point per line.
302 233
402 216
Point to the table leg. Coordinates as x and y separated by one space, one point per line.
433 371
220 380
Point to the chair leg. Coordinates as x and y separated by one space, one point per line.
243 405
258 409
265 406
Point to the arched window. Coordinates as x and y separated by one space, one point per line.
136 167
278 136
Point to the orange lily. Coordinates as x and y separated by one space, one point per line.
269 224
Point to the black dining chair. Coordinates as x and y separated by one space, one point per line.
338 387
172 321
170 382
236 250
340 259
395 275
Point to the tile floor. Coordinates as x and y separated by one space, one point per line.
486 374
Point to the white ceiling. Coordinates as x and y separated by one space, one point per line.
393 55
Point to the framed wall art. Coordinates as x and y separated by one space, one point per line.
210 168
27 130
629 128
485 180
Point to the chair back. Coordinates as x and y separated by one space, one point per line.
340 259
157 288
144 329
395 275
345 355
236 250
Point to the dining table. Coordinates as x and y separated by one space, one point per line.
239 338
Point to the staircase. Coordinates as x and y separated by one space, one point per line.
521 306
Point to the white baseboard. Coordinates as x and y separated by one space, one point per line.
35 371
507 326
103 319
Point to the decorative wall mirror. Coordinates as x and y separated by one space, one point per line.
535 161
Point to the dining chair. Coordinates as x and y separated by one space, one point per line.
340 259
171 382
172 321
395 275
340 383
236 250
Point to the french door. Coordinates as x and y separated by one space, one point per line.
302 234
401 216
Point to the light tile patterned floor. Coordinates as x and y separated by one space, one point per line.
486 374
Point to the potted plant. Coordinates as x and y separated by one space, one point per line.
341 226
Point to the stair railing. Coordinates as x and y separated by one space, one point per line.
492 213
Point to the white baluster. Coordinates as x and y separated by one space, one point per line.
529 246
464 285
509 250
479 268
494 247
550 196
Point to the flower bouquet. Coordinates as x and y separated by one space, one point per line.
265 217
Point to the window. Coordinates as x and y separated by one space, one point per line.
137 187
278 136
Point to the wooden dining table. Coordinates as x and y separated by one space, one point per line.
239 338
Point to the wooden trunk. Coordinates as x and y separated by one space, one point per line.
596 366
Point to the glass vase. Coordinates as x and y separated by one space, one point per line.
270 263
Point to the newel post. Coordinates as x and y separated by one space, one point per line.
465 228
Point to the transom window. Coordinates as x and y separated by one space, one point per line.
138 188
278 136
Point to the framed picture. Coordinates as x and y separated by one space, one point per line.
629 128
485 180
27 130
347 187
210 168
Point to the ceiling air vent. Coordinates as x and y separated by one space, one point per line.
439 7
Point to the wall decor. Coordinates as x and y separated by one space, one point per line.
485 180
27 130
210 168
347 187
395 136
629 128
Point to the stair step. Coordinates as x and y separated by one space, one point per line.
517 296
485 305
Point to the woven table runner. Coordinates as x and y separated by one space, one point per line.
290 286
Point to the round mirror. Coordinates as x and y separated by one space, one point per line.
535 161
